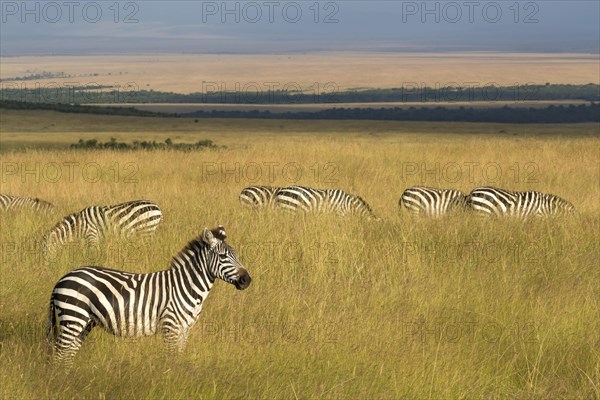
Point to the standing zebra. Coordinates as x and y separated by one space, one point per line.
259 196
132 305
493 201
18 203
305 199
432 202
135 218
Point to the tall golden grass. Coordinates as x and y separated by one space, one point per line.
338 308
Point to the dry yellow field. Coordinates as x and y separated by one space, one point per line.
309 72
338 308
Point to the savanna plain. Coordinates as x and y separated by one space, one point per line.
460 307
317 73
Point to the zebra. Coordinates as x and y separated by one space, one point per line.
306 199
432 202
20 203
131 219
492 201
259 196
133 305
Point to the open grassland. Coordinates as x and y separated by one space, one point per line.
338 308
309 72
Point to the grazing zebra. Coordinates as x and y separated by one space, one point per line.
259 196
135 218
133 305
18 203
493 201
432 202
302 198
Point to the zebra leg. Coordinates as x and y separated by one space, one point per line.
170 335
146 238
50 250
91 238
69 341
175 338
182 339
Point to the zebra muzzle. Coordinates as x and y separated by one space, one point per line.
244 280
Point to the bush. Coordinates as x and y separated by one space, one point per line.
93 144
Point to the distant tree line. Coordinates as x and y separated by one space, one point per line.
551 114
407 93
36 76
52 75
76 108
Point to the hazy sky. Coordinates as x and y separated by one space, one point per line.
83 27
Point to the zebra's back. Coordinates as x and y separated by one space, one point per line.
493 201
21 203
311 200
303 198
432 202
139 217
259 196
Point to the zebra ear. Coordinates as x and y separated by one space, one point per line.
209 238
219 232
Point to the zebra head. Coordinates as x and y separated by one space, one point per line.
222 259
358 206
50 244
43 206
558 205
61 233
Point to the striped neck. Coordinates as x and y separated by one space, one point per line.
358 206
190 272
65 231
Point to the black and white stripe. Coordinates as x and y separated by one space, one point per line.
20 203
432 202
492 201
138 219
132 305
309 200
259 196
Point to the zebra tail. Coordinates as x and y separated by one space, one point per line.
468 200
51 328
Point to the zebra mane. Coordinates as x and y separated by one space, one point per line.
197 243
62 221
190 248
363 202
219 233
